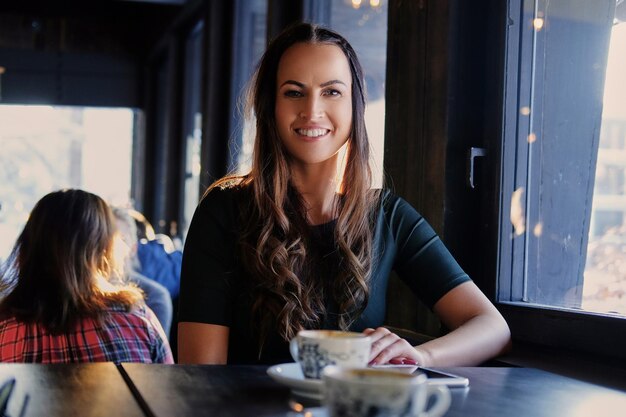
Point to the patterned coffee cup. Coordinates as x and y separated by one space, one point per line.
316 349
381 393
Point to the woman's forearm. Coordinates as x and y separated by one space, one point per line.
479 339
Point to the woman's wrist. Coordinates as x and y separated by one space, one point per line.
422 356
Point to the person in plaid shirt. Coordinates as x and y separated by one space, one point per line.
64 297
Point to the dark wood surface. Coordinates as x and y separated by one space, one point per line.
514 392
228 391
194 390
87 390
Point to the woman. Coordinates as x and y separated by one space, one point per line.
64 298
298 243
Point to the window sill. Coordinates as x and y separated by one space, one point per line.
606 372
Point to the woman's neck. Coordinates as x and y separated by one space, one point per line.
318 187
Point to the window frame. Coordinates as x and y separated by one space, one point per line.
602 335
192 48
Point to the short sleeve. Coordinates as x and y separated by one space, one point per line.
206 290
422 261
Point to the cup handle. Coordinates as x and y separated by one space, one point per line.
293 348
442 401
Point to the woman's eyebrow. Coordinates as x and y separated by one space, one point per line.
331 82
292 82
301 85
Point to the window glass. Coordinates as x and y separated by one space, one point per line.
605 271
564 244
45 148
364 24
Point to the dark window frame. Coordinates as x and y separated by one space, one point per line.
601 335
191 99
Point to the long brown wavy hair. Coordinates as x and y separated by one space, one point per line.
62 266
276 235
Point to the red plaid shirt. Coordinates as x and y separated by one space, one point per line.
134 336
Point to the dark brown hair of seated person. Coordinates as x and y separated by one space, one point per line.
62 264
274 243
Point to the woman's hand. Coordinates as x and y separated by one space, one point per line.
388 347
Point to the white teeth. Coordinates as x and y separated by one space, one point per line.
312 133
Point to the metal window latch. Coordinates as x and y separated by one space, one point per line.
472 154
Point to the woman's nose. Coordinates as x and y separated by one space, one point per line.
312 109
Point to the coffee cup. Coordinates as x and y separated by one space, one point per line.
380 392
316 349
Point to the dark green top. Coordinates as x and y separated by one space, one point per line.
215 288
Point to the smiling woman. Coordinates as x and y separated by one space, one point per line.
314 115
298 243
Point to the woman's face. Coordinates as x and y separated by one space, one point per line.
313 101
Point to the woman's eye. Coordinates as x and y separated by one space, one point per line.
293 93
332 93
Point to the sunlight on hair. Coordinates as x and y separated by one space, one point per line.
121 249
341 168
105 285
518 220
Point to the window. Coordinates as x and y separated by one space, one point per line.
562 214
79 147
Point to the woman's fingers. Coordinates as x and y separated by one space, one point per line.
388 346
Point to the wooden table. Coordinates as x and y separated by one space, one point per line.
87 390
229 391
194 390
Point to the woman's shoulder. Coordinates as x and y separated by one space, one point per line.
137 315
393 206
224 196
389 200
224 190
9 323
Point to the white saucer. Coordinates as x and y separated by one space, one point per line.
290 374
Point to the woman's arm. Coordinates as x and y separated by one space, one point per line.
478 333
200 343
478 330
206 291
